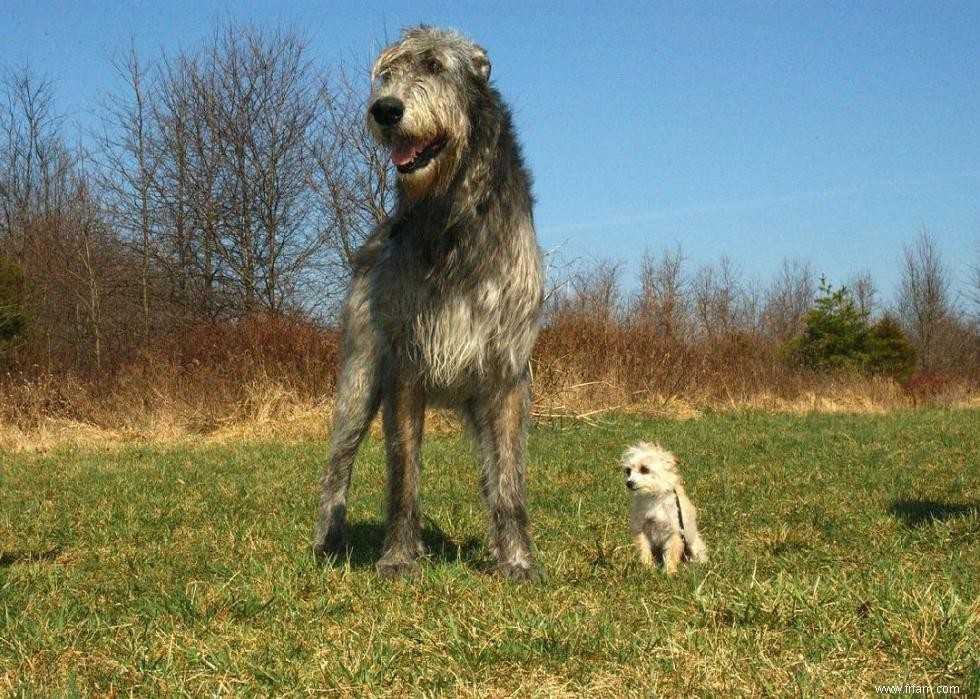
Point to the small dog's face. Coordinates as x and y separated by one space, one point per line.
650 469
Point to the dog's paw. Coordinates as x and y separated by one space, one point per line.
697 554
397 567
518 572
331 546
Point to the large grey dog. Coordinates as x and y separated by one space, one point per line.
444 303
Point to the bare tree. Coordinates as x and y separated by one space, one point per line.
192 101
594 292
42 197
973 292
178 241
924 302
262 112
84 234
34 161
787 300
241 178
721 305
865 293
130 160
210 161
662 301
352 177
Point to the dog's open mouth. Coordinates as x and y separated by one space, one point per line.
409 156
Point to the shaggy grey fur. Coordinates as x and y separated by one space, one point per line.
445 299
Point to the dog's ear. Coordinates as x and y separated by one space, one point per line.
480 62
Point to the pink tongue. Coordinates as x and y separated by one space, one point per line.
403 154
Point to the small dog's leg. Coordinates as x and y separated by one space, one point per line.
698 551
643 548
404 415
694 549
673 551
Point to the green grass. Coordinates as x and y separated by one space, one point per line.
845 552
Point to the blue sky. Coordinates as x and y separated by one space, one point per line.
824 131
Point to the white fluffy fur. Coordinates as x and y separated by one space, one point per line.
651 474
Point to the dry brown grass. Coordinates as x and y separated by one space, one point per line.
273 380
272 411
582 368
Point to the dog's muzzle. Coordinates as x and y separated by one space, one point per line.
387 111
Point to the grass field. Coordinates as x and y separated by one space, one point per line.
845 553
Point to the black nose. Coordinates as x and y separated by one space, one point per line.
630 485
387 111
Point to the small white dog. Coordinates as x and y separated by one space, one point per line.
662 519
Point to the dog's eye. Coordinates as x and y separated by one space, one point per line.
432 66
644 470
626 471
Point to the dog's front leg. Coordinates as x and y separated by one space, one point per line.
403 417
643 548
672 551
358 398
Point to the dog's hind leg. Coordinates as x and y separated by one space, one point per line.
404 415
672 552
358 397
696 550
500 424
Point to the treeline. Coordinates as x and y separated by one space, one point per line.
707 334
188 253
225 182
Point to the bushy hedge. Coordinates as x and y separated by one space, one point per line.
837 335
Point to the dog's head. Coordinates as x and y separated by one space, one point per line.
649 469
424 88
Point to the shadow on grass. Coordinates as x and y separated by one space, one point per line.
11 558
915 513
366 540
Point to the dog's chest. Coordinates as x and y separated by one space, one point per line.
448 332
451 332
462 316
648 510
